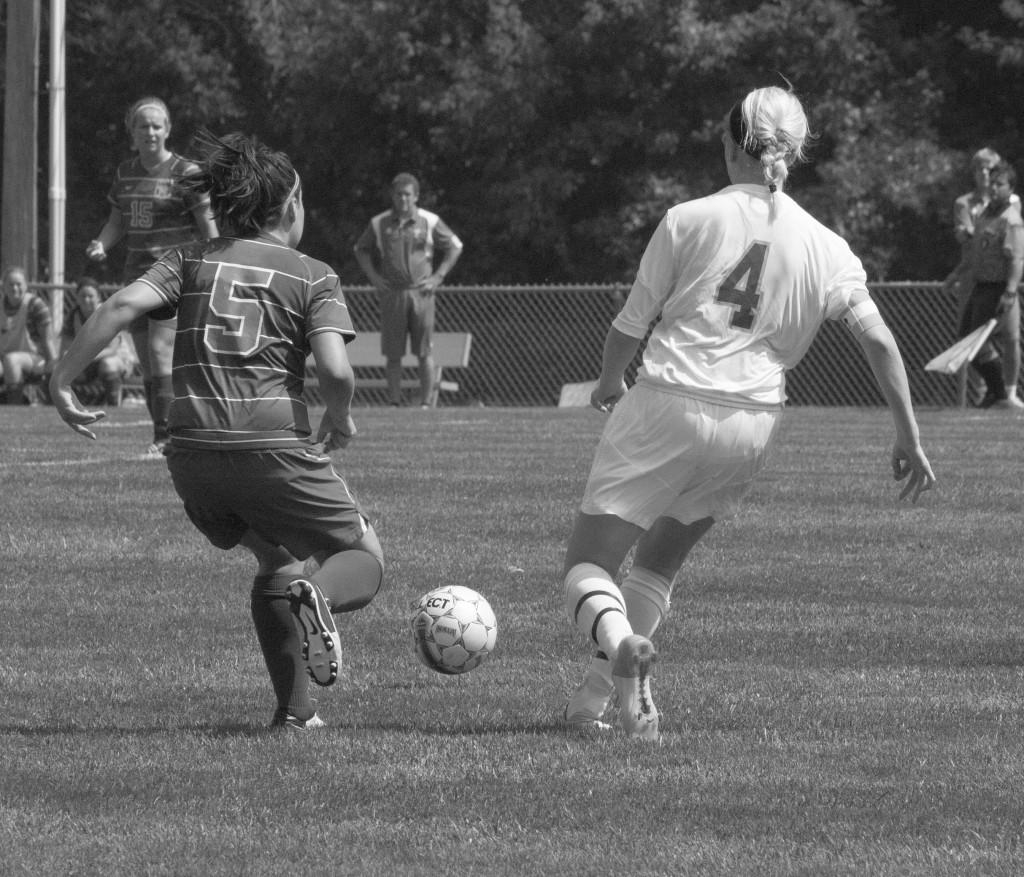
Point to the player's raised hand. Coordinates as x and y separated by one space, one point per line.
72 413
914 464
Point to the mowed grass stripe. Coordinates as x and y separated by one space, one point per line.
840 681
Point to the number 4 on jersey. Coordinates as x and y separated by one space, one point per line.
740 287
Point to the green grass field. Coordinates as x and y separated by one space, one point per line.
841 680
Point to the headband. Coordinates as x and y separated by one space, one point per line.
134 111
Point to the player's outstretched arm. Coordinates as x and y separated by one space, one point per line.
99 330
337 386
908 458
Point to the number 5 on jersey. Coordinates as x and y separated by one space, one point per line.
235 321
740 287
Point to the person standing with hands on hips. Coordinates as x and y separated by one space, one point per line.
741 280
396 252
151 216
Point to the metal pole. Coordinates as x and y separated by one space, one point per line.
57 192
18 242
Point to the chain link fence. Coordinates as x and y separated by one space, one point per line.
529 341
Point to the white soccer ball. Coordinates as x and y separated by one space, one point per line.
453 629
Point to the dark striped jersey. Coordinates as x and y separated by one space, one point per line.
24 328
155 216
246 308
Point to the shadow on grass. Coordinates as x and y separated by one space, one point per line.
244 729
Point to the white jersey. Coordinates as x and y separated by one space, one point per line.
741 295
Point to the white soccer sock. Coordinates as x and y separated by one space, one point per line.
596 607
647 596
600 668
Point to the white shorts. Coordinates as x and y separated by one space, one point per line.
663 454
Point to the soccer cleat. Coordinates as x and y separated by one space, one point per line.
321 649
582 724
631 675
1011 403
286 721
585 709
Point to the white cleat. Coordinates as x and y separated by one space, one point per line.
584 712
631 674
284 720
1010 403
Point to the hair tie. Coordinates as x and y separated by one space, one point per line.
772 188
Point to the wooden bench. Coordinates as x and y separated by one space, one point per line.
450 350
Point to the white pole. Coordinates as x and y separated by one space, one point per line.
58 193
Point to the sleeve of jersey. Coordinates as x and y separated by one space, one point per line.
328 311
166 277
193 199
1015 240
112 192
962 216
445 238
654 281
849 300
367 241
38 318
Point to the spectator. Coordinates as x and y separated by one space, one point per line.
112 364
242 455
152 216
995 265
741 281
396 252
966 210
28 349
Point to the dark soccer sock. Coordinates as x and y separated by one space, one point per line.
112 390
147 392
349 579
281 643
992 372
163 395
16 394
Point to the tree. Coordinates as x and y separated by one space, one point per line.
553 136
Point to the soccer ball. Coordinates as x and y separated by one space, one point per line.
453 629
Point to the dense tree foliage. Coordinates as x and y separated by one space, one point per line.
552 136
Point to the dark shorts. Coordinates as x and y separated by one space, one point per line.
406 314
292 498
981 306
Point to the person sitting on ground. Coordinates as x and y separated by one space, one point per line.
112 365
27 346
